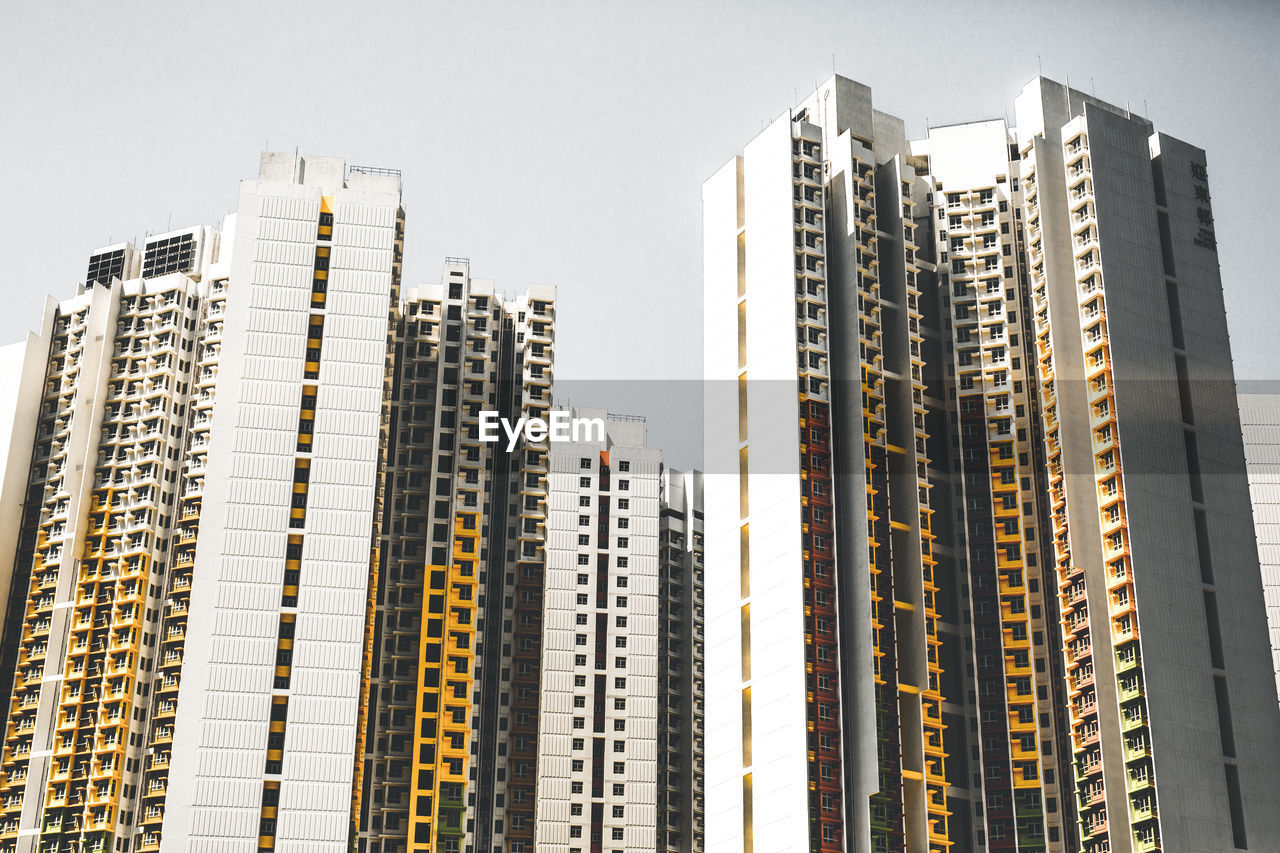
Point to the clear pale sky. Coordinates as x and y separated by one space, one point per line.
567 142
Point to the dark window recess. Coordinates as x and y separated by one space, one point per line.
1224 716
1184 389
1175 315
169 255
1193 466
1215 632
1237 808
1202 545
1166 243
104 267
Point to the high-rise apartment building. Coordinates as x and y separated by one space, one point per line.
1012 345
111 430
598 732
451 755
273 664
681 718
22 369
1260 424
1173 717
825 720
1005 679
193 556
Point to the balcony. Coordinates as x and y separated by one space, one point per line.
1136 748
1139 778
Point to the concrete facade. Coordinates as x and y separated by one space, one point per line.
597 773
824 729
274 512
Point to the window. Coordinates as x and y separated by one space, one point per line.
624 465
